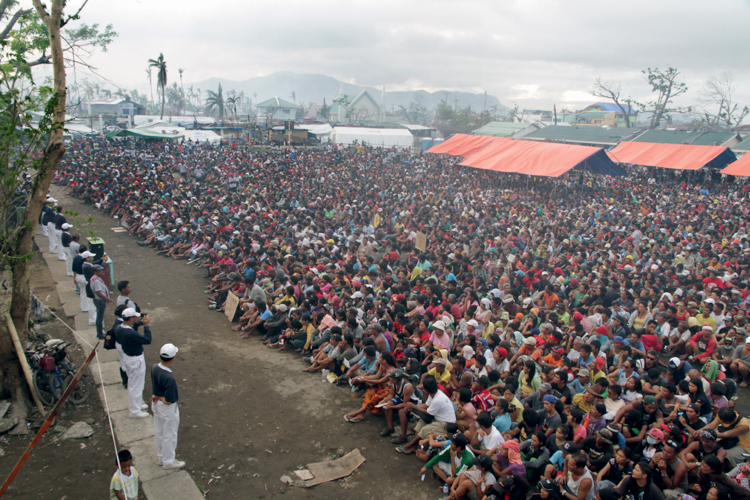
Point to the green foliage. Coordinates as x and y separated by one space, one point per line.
454 120
666 87
215 102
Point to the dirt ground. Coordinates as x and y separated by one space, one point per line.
57 468
248 414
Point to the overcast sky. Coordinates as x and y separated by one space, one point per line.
532 52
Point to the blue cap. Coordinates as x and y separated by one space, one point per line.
549 397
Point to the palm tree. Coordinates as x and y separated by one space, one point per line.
293 95
232 104
215 101
161 77
150 86
181 71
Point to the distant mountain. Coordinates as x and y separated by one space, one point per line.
310 87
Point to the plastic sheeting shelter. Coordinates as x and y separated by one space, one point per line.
543 159
384 137
461 145
674 156
145 133
740 168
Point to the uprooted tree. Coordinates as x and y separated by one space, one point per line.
31 147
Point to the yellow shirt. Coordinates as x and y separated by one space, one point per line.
706 321
445 377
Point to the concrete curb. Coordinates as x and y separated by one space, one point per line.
135 434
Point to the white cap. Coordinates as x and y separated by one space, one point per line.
439 325
66 226
708 327
87 254
473 323
467 352
281 307
674 362
357 295
169 350
130 313
709 301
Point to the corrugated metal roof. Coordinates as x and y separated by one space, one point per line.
275 102
500 129
582 134
685 137
743 146
610 106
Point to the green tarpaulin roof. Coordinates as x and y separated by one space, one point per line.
149 134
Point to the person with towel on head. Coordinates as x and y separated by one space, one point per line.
164 406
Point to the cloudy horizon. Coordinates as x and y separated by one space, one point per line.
534 53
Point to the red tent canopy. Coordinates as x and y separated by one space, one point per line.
462 144
741 167
676 156
540 158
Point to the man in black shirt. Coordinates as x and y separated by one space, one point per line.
135 362
164 406
59 221
65 239
599 449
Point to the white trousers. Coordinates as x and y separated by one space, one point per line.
135 366
122 357
60 247
68 262
166 422
52 237
86 303
45 231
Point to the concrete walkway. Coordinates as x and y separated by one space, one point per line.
137 435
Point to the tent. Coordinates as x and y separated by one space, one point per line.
461 145
145 133
544 159
384 137
740 168
675 156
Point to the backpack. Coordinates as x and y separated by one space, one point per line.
109 339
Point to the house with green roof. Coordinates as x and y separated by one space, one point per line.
696 138
515 130
277 109
606 113
583 135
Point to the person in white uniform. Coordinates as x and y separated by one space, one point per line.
164 406
132 344
51 229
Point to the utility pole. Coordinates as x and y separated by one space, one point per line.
554 110
484 106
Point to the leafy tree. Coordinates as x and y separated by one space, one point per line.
666 86
27 148
215 102
161 77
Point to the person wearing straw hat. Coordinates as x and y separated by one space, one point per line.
164 406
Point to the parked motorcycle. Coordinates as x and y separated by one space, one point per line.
52 371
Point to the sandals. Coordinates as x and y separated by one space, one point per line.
405 451
353 420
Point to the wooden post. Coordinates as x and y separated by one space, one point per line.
24 364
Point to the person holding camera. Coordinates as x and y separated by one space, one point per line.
132 344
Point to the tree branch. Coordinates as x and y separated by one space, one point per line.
13 20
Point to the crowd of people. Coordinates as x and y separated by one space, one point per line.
582 337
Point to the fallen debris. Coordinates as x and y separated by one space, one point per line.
323 472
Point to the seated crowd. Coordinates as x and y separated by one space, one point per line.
567 339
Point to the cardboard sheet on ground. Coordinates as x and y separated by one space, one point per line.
334 469
118 229
232 303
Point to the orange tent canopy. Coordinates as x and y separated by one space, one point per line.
740 168
675 156
461 145
540 158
